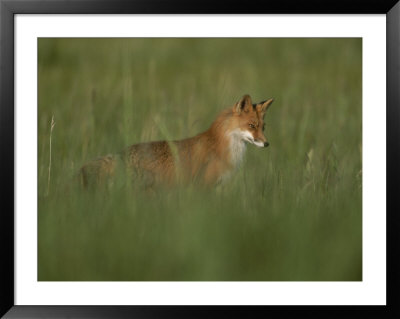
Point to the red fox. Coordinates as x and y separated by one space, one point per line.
208 158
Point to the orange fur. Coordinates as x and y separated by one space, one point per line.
206 158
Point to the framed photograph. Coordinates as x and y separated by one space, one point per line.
187 160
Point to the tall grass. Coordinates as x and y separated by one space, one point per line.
292 212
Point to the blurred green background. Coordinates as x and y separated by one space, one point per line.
292 212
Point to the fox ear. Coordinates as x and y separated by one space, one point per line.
263 106
244 105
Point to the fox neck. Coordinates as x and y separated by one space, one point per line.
230 146
237 148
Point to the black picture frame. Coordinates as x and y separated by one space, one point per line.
8 10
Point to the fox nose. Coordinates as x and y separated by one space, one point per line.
266 144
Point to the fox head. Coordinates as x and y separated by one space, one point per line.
250 120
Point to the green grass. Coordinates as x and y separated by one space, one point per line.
292 212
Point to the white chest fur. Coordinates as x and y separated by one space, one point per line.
237 148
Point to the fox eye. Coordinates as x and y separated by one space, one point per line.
252 125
